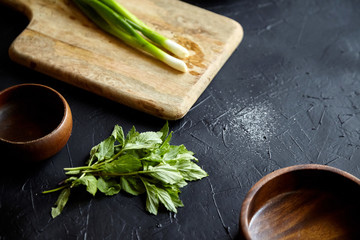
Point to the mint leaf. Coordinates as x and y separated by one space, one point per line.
93 155
152 199
108 186
132 134
132 185
155 195
165 173
118 134
146 140
166 142
123 164
180 184
102 151
189 170
174 194
179 152
60 202
89 181
106 149
157 154
165 131
166 200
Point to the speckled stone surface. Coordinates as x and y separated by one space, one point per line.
290 94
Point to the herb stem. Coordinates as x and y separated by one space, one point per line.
113 157
112 174
106 161
55 189
77 168
96 165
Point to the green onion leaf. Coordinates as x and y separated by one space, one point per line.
113 18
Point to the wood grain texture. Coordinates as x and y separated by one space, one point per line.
59 41
303 202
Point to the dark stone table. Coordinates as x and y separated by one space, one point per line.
290 94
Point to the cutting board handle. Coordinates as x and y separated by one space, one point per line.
61 42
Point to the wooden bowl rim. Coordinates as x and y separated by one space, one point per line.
66 113
244 224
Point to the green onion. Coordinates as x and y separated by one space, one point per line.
119 22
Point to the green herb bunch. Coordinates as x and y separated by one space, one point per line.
136 163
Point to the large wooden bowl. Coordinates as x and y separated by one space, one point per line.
303 202
35 120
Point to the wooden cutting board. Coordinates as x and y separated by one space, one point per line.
59 41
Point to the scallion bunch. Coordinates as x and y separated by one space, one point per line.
113 18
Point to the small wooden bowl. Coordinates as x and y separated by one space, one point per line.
35 120
303 202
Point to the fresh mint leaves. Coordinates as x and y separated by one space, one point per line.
136 163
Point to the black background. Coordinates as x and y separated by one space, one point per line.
290 94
